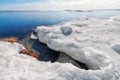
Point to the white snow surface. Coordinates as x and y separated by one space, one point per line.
15 66
93 41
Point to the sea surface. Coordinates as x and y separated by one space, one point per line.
21 23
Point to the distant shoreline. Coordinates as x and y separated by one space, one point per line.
59 10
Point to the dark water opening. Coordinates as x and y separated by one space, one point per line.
46 54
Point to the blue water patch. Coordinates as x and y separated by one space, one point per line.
21 23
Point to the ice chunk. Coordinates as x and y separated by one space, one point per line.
116 47
33 36
66 30
89 45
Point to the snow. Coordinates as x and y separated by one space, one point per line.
96 43
116 47
88 40
15 66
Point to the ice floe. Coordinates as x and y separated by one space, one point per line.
87 40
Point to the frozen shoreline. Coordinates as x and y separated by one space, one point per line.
92 41
46 54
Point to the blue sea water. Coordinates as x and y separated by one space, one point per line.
21 23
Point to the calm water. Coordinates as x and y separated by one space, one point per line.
20 24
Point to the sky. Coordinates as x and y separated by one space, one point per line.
58 4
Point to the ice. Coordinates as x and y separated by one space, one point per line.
96 45
66 30
96 59
15 66
116 47
89 44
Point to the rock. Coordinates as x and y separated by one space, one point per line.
45 54
34 35
33 54
11 40
29 52
66 30
25 51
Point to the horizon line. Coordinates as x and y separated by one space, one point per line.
62 10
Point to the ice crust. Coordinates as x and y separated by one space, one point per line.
15 66
92 41
95 42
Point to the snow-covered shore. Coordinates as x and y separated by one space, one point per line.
92 41
15 66
95 42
